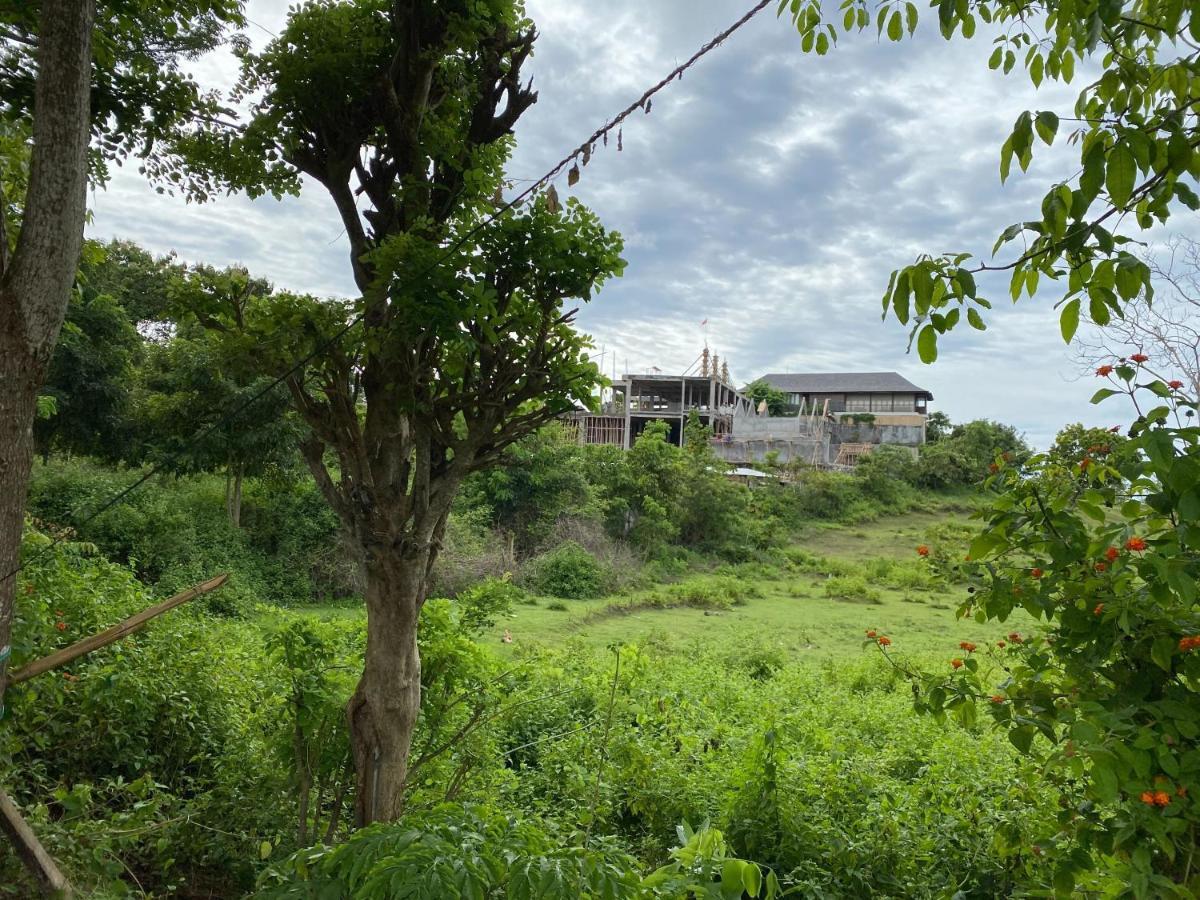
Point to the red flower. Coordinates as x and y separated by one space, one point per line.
1161 798
996 698
1015 637
61 626
871 632
967 645
993 468
884 641
957 663
1104 371
1139 358
1001 644
1148 797
1100 567
1135 544
923 550
1035 572
1111 554
1189 643
1084 464
1175 384
1099 610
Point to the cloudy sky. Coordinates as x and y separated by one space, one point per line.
769 192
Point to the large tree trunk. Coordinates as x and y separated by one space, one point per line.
384 709
35 282
18 400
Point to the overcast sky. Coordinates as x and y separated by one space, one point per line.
769 191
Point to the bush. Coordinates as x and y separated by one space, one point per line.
853 588
567 571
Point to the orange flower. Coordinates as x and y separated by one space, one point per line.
1175 384
1084 464
1181 791
1035 572
956 662
884 641
1148 797
1104 371
1189 643
1001 644
1111 554
993 468
871 632
1135 544
1100 567
1015 637
996 698
1161 798
923 550
1139 358
967 645
1099 610
61 626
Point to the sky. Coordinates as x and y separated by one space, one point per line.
769 191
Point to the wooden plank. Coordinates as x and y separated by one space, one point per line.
115 633
39 863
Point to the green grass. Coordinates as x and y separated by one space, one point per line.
791 613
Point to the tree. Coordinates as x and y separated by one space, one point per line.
777 402
58 93
459 343
937 426
1167 328
91 376
201 373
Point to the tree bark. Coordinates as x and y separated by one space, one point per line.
384 709
36 282
234 475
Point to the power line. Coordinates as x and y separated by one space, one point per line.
583 151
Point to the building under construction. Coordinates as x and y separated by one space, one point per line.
638 400
823 428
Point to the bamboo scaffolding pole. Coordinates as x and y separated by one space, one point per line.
110 635
39 863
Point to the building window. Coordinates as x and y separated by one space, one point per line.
858 403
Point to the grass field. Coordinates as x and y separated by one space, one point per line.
791 613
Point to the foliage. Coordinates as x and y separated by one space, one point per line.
567 571
1103 550
776 400
539 481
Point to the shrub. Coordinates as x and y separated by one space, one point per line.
852 588
567 571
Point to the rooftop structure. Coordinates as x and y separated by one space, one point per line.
853 392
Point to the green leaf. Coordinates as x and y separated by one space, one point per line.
976 320
1022 737
1162 650
752 879
1047 126
1103 394
927 344
1068 322
1121 174
895 28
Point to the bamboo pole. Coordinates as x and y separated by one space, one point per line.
40 863
115 633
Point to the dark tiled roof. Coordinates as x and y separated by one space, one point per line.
844 383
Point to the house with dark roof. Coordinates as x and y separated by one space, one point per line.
881 393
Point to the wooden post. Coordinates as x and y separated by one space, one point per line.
110 635
39 863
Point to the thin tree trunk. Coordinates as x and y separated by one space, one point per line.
234 476
383 712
